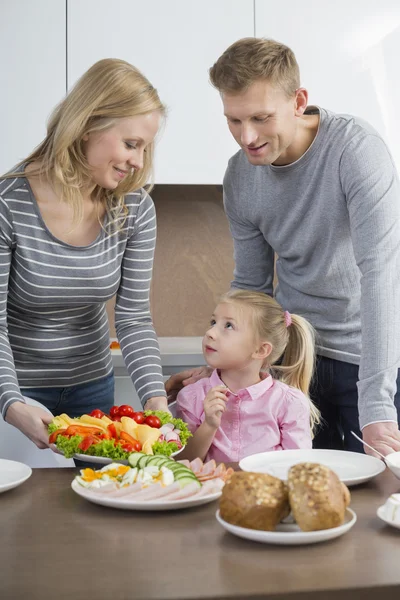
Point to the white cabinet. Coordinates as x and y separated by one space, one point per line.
173 43
33 73
347 53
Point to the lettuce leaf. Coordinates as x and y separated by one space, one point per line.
105 448
165 448
166 417
52 427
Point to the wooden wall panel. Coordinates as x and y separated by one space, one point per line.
194 259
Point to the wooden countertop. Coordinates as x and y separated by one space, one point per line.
56 544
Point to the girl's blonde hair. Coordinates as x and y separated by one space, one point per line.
293 345
253 59
110 90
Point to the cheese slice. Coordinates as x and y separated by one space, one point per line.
129 426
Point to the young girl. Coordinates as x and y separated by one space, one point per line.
238 411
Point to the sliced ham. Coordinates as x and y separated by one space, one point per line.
196 465
187 492
209 467
127 490
210 487
153 492
185 462
105 489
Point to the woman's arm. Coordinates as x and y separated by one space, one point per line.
30 420
133 322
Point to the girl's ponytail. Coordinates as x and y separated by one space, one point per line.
298 360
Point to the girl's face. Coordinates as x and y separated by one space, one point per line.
118 151
230 343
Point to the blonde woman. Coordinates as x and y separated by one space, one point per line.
76 228
237 411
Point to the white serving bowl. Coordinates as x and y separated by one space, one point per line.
393 462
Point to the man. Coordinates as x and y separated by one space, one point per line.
320 191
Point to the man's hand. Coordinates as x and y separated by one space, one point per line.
32 421
384 437
176 382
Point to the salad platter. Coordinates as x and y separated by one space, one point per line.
104 439
151 482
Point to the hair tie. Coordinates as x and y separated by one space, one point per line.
288 318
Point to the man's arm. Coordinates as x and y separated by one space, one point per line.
254 257
372 190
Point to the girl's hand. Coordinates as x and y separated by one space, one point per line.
32 421
215 405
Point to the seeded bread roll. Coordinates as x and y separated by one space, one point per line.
254 500
317 497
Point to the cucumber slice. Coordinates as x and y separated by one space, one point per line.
159 461
178 466
183 471
143 461
184 480
134 458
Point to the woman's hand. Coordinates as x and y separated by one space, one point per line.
215 405
32 421
177 381
157 403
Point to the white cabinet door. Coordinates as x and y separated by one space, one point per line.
347 53
174 43
33 73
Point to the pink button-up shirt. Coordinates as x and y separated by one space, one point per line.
269 415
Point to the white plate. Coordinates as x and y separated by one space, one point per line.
12 474
102 460
381 514
130 504
290 534
351 467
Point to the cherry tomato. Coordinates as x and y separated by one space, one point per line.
137 446
125 411
97 413
153 421
126 446
138 417
114 412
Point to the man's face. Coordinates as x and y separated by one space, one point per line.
263 121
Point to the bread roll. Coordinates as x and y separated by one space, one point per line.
317 497
254 500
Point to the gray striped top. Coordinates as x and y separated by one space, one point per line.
53 323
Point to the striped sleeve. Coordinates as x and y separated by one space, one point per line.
9 388
133 322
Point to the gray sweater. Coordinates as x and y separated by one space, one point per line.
53 324
333 219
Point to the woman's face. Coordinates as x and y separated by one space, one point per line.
114 153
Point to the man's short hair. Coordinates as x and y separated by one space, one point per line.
253 59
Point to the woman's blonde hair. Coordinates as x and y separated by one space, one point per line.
292 339
111 89
253 59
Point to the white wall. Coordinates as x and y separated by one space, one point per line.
347 51
174 43
32 74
